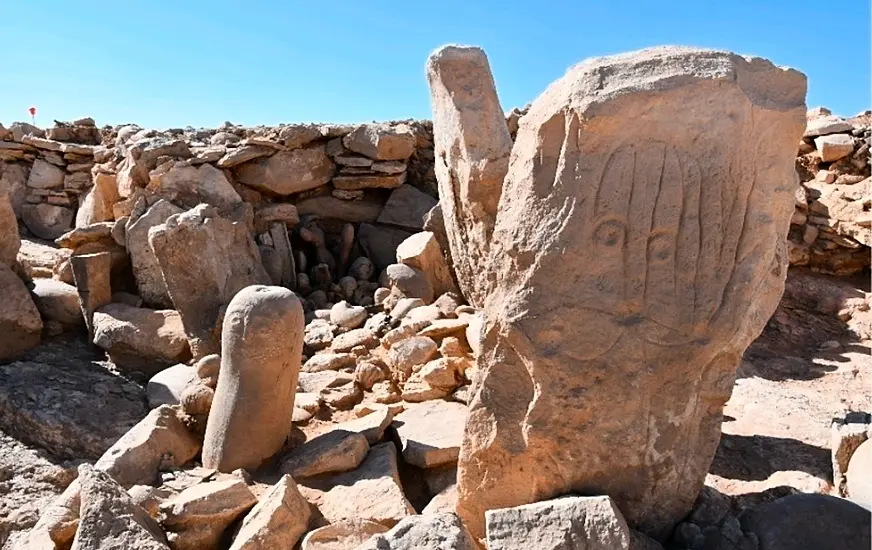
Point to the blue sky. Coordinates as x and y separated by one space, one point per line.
164 63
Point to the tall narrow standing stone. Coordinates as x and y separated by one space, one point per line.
262 343
472 147
639 248
91 273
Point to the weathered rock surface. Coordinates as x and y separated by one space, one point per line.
334 451
582 205
472 140
92 275
380 142
371 492
277 521
345 534
11 242
47 221
262 343
57 301
188 186
146 269
140 339
422 251
200 285
431 532
288 172
158 441
593 523
197 517
59 397
32 480
20 323
430 433
810 522
108 518
166 387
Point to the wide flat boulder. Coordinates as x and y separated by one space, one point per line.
60 396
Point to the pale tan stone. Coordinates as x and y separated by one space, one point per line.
197 517
20 323
159 441
251 414
277 521
91 273
472 145
11 241
346 534
675 159
422 251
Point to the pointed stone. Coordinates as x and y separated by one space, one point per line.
277 521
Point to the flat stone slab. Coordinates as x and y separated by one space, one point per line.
430 433
60 396
371 492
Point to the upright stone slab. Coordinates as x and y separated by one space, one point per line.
262 344
639 248
91 272
472 146
205 260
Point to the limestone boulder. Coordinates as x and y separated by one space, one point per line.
262 341
47 221
44 175
201 284
430 532
288 172
589 522
345 534
407 207
833 147
158 442
371 492
198 516
329 361
140 339
108 518
166 387
279 519
13 181
187 186
345 315
57 301
367 209
407 354
471 136
410 282
146 269
20 323
422 251
430 433
381 141
332 452
825 125
677 159
9 229
96 205
62 397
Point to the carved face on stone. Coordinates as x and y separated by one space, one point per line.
669 249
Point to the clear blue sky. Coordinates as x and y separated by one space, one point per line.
165 63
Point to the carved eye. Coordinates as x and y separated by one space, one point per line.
610 234
659 247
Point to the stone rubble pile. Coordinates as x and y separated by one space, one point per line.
831 228
335 361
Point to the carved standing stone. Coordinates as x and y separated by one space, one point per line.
639 248
262 343
472 147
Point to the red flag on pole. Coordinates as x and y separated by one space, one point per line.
33 115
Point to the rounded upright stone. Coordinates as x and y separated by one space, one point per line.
262 342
